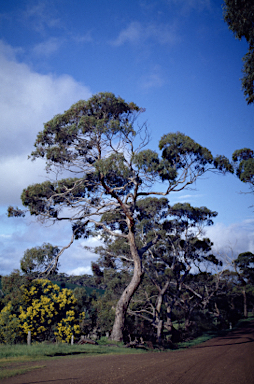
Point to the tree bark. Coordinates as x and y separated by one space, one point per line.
158 321
245 310
159 331
29 338
124 301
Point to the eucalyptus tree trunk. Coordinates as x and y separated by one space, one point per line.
124 301
138 272
159 331
158 321
245 310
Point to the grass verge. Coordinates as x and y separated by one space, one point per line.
211 335
40 351
12 368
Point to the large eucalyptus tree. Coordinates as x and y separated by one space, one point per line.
93 145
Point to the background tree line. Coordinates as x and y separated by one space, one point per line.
173 303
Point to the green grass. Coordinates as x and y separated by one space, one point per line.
211 335
250 318
198 340
50 350
10 370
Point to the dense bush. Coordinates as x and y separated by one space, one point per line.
45 310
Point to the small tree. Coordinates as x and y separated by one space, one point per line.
244 268
37 259
95 142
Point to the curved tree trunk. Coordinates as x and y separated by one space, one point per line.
124 301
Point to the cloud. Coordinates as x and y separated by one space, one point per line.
27 100
53 44
77 260
86 38
39 16
19 234
80 271
154 79
237 237
17 173
46 48
188 5
190 198
136 33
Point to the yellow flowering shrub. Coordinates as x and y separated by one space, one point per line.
45 310
48 312
10 331
68 326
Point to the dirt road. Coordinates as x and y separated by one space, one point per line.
223 360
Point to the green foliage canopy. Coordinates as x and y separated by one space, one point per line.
38 259
244 165
239 15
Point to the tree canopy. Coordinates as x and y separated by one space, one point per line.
239 15
244 165
38 259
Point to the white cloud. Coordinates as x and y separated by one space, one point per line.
187 197
46 48
237 237
19 234
153 79
136 33
86 38
17 173
27 100
80 271
40 16
187 5
176 198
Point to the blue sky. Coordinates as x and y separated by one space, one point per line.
175 58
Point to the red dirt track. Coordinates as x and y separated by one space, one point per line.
223 360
